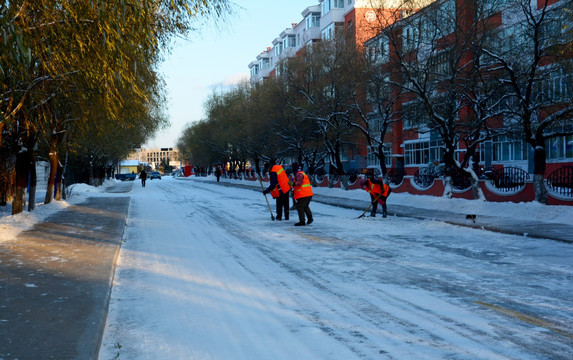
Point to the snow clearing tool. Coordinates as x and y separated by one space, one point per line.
266 198
369 206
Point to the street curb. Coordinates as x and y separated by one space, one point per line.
509 226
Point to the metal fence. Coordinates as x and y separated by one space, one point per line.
509 179
395 176
424 177
461 180
560 181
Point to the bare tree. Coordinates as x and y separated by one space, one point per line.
376 105
324 75
527 57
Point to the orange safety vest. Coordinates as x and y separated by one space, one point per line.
304 190
282 179
373 189
376 189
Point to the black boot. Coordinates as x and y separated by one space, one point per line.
300 223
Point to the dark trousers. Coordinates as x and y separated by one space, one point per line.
302 206
375 205
143 182
282 204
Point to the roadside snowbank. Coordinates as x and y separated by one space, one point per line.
523 211
12 225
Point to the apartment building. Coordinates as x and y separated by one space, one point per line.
318 22
420 49
287 44
506 25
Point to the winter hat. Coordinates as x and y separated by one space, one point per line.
294 167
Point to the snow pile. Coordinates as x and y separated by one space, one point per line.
12 225
524 211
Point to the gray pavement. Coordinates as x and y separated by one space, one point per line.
55 279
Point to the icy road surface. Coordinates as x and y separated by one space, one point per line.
205 274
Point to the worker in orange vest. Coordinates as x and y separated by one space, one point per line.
279 188
379 192
302 195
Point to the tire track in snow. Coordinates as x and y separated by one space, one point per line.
389 312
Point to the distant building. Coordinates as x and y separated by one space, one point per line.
155 156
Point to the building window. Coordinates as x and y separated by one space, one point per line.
415 115
326 6
490 7
373 159
289 41
328 32
411 37
440 66
264 64
312 21
378 50
339 4
559 148
558 86
508 149
423 152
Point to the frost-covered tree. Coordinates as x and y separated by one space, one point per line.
529 57
327 76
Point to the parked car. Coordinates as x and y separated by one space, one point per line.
155 175
126 177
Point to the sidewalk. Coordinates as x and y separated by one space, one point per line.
55 281
500 224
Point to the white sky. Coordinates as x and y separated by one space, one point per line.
219 56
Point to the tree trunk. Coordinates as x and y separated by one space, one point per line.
539 174
33 181
448 192
52 176
448 171
63 179
22 172
60 182
6 175
343 182
472 170
382 159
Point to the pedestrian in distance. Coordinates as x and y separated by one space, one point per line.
379 192
302 195
143 177
279 188
218 173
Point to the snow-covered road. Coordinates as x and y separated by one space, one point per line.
205 274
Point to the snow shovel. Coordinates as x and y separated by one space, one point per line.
369 206
266 198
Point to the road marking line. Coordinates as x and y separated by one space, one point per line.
527 318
